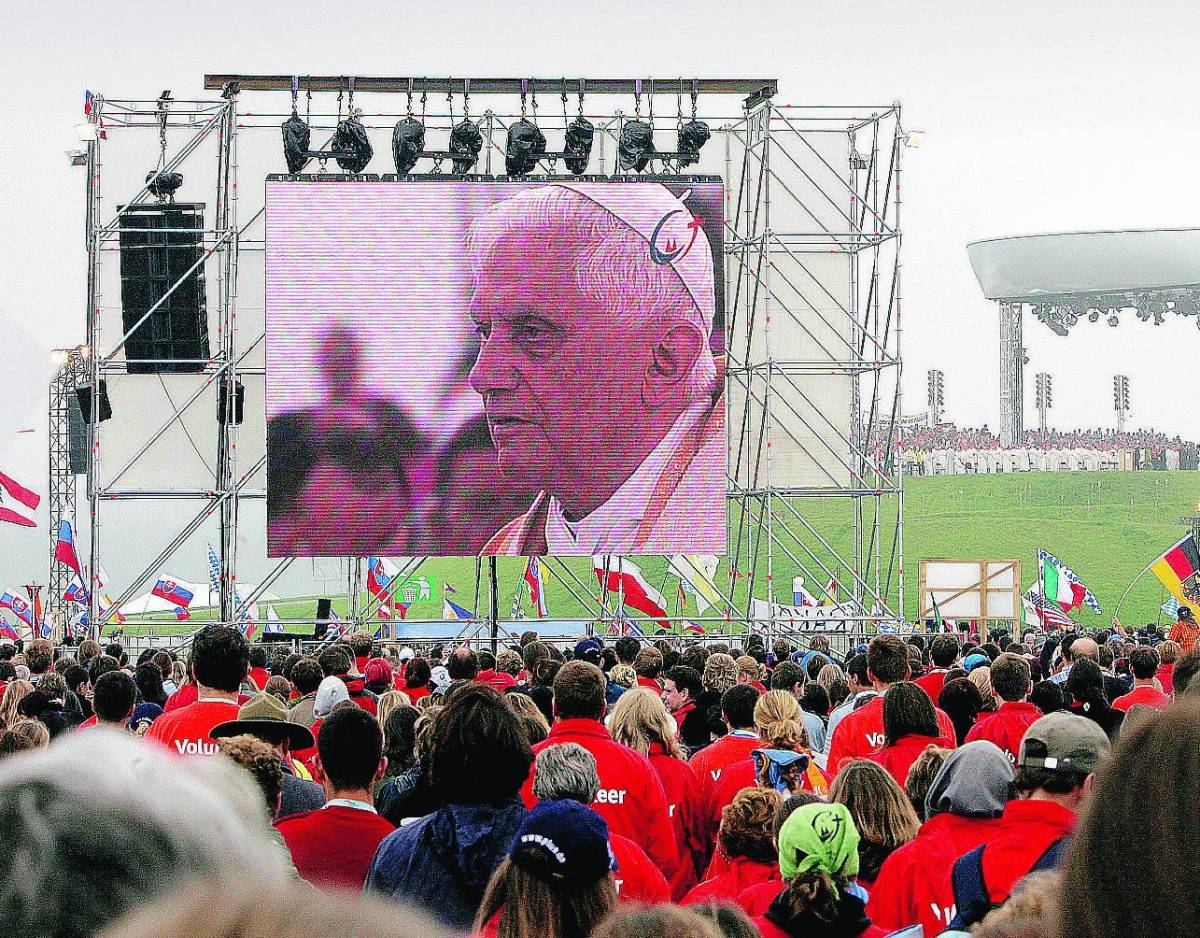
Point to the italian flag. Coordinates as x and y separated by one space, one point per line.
1059 583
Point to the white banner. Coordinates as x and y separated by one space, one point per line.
807 618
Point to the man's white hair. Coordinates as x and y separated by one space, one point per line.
565 771
101 822
613 266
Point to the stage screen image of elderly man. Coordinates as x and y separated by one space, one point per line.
462 367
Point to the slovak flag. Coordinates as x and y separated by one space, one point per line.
537 589
182 613
75 593
7 631
64 549
380 576
12 600
17 502
623 576
172 592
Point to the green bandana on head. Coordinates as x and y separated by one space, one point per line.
819 837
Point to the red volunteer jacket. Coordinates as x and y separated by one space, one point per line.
913 887
259 677
631 797
637 879
496 680
650 683
743 874
332 847
755 900
1025 832
737 777
185 731
899 757
1166 677
686 813
861 733
1006 727
932 683
1146 694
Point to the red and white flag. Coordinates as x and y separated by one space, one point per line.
537 589
625 577
17 503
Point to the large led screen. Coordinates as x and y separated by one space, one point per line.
494 367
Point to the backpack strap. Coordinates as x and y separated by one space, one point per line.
971 899
1053 856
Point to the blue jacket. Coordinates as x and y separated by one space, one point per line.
443 861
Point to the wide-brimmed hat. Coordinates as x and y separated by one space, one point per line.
265 716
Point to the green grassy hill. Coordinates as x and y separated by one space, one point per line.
1106 525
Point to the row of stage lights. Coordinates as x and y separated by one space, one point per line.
525 144
1062 315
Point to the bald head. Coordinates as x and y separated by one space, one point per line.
1085 648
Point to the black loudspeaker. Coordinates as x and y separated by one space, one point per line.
159 245
84 396
77 434
322 626
225 413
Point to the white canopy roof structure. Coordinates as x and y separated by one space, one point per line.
1029 267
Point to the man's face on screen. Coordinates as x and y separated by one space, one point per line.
561 379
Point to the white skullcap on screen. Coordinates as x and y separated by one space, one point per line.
673 234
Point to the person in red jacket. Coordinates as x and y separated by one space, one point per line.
1168 652
909 727
220 662
631 797
1006 727
1055 773
568 772
332 847
1143 662
818 858
641 722
943 651
648 664
737 709
861 731
745 840
963 807
258 666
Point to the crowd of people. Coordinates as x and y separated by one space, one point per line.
1034 786
952 437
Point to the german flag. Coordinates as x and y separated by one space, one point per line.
1179 571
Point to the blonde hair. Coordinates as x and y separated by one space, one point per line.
640 719
389 702
720 672
780 722
524 706
830 675
981 677
24 735
623 674
14 693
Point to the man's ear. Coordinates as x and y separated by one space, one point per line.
672 358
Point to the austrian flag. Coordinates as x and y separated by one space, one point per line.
17 503
172 592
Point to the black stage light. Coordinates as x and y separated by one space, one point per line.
692 136
163 185
230 411
577 148
526 144
635 148
296 138
408 140
465 143
83 394
351 145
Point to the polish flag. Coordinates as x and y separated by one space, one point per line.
17 502
626 577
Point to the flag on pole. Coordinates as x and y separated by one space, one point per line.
1045 613
697 573
446 587
938 624
1171 607
829 595
452 610
274 626
75 593
7 631
170 590
1178 569
625 577
537 589
214 570
87 104
17 503
1061 585
12 599
64 547
182 613
381 577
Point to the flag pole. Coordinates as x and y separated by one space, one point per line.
493 602
1144 571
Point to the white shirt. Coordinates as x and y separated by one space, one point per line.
611 528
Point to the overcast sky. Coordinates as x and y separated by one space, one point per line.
1039 116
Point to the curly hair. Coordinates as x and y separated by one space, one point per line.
747 823
262 762
720 672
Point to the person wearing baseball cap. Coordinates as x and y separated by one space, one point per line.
1185 631
1055 771
266 717
556 881
601 273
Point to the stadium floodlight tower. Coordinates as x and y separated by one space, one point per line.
1064 278
1044 391
1121 400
